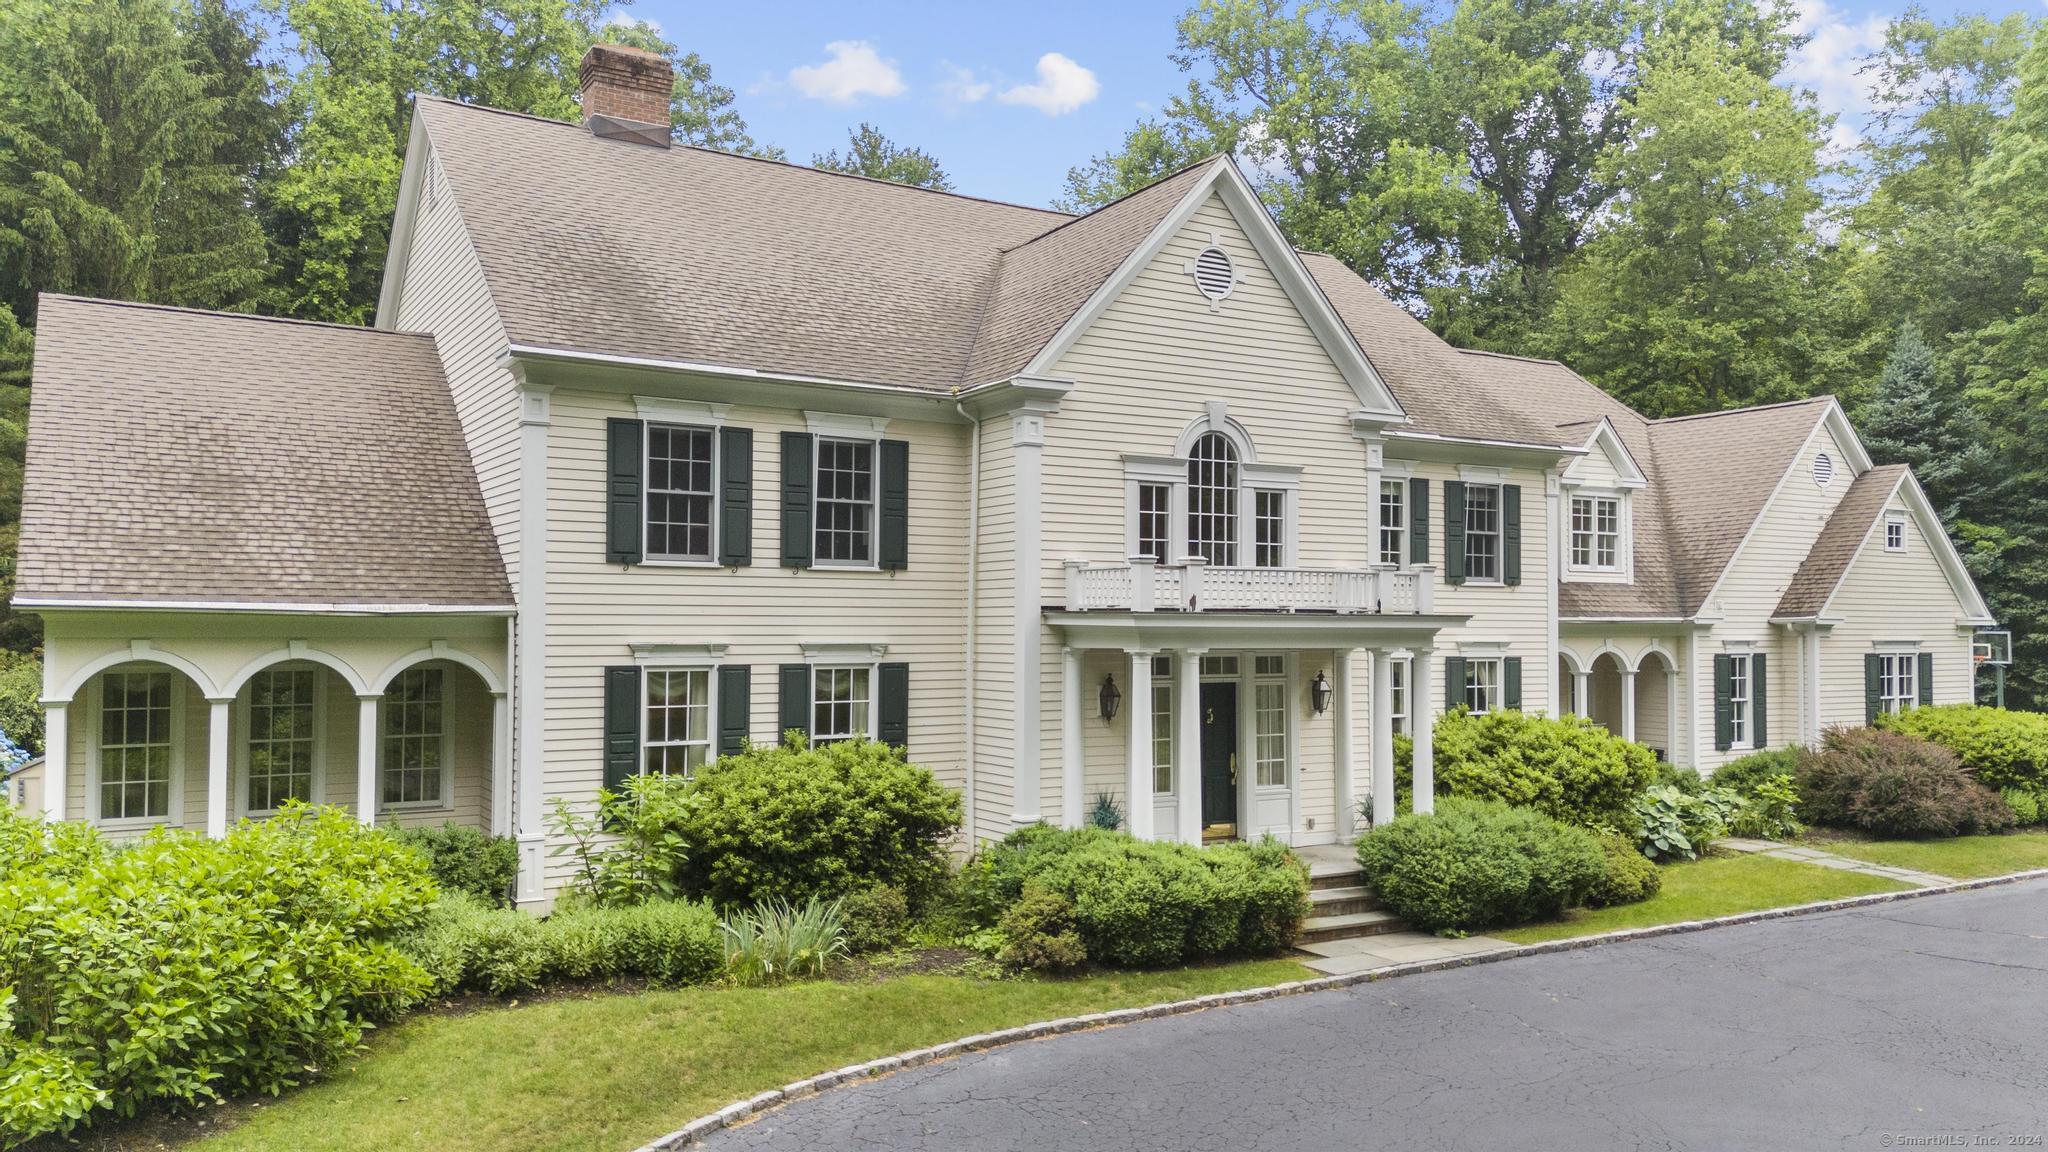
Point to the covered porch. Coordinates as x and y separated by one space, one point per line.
1629 687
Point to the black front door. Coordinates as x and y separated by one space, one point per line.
1219 754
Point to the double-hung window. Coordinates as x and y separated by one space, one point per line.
1741 695
1898 681
1596 533
1269 528
1393 522
135 746
281 736
680 503
845 502
1162 724
1269 720
842 703
1482 685
1894 533
1397 689
415 741
676 739
1482 532
1155 521
1212 500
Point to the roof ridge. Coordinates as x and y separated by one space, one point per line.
1099 209
103 302
1828 398
1069 217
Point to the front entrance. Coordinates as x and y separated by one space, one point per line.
1219 760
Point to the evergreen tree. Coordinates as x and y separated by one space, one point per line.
871 154
1914 419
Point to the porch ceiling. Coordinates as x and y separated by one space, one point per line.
1141 630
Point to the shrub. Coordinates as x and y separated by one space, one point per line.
1769 810
469 946
1743 774
1686 780
1569 768
2026 806
1039 931
21 699
1893 784
2003 749
1674 825
465 859
876 918
776 940
177 969
794 822
1105 813
1479 863
633 847
1628 877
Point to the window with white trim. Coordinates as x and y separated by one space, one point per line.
1155 521
845 504
135 746
1269 721
842 703
1212 499
1162 724
676 737
1482 532
680 477
1393 522
1397 693
1482 684
1269 528
1898 681
1740 698
1596 533
415 769
282 704
1894 533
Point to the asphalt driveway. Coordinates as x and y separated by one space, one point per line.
1900 1025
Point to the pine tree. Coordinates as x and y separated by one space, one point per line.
1914 419
871 154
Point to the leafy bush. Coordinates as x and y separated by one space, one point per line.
1743 774
795 822
1629 876
1686 780
2004 749
465 859
468 946
21 699
1893 784
776 940
1039 931
876 918
177 969
1478 863
1566 767
2026 806
1674 825
1769 809
633 847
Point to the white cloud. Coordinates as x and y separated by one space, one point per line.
854 71
1062 87
1828 62
960 85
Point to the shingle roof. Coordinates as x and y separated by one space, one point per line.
183 456
1838 541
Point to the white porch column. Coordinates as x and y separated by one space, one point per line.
1346 764
1382 738
501 764
1628 703
1187 745
56 759
1071 800
366 760
1138 723
1027 441
1422 729
219 723
529 644
1580 703
1813 678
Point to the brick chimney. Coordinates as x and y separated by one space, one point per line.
626 92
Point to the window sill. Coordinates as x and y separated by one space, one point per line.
401 809
133 824
677 562
837 566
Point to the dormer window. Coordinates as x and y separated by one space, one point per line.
1597 541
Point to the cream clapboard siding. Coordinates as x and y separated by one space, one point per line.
763 613
443 292
1517 617
1594 470
1889 598
995 645
1752 586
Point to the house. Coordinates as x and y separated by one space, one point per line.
655 451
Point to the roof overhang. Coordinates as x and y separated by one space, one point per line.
1141 631
48 604
547 367
1605 439
1436 446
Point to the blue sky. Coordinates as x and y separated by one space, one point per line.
1008 96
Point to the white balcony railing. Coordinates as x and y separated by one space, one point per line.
1143 585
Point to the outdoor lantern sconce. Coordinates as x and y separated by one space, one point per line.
1319 693
1109 697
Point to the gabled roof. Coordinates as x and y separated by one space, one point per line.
185 458
1847 527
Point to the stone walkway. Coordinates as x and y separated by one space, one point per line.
1364 953
1830 860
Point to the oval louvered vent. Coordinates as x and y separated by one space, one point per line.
1214 273
1823 469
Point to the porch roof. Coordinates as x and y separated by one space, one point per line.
1147 630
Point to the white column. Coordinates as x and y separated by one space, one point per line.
219 724
1027 440
501 764
1670 707
1070 738
529 648
1346 765
1138 723
56 759
1422 727
1553 563
1382 739
1375 465
1187 745
1813 677
1580 703
1628 704
366 760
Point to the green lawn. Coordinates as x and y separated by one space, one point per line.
610 1072
1964 857
1717 886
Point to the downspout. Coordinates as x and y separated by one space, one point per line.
973 558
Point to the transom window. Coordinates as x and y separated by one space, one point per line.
846 501
1482 531
1895 534
1898 681
679 492
1269 732
415 748
1219 665
1596 532
842 701
135 746
1212 499
677 739
1269 528
1482 684
1162 724
1740 696
1393 522
281 726
1155 520
1397 688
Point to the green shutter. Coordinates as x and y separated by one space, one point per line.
793 700
736 497
1418 521
1926 678
895 469
893 718
621 724
1724 707
1873 678
734 699
625 442
1454 532
796 499
1511 534
1511 683
1759 707
1454 682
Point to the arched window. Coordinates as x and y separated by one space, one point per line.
1212 499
